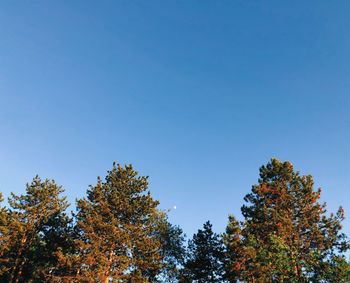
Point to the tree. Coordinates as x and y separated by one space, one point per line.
117 231
4 215
4 237
29 255
286 235
172 250
56 237
205 259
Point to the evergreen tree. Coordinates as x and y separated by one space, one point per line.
117 227
4 215
29 255
172 250
205 259
286 235
4 237
56 237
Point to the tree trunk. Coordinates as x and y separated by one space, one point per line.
105 278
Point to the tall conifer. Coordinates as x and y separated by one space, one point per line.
205 257
24 256
172 250
286 235
117 228
4 238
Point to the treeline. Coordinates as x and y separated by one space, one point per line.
118 234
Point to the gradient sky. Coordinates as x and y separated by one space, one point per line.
195 94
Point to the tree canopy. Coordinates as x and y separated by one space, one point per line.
116 226
205 257
118 233
286 235
29 232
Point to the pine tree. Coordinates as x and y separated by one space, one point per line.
172 250
117 227
4 238
55 237
24 256
286 235
205 260
3 225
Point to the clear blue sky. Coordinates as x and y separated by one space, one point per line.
195 94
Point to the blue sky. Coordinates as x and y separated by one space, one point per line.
195 94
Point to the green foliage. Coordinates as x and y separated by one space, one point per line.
28 252
117 227
172 250
118 234
205 259
286 235
4 238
